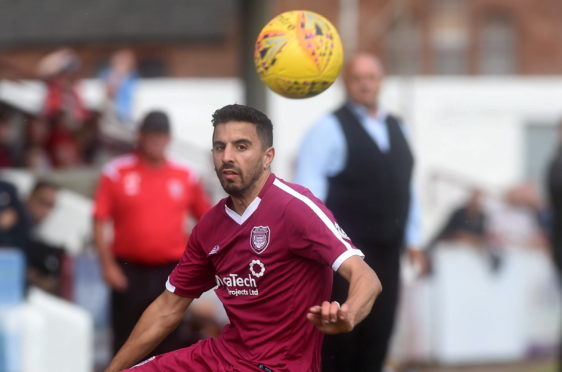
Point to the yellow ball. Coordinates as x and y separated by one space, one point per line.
298 54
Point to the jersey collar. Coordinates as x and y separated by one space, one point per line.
240 219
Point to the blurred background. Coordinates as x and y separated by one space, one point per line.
476 82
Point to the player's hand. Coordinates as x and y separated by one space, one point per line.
330 318
114 277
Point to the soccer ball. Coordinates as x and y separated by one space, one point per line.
298 54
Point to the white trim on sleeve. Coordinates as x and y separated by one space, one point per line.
323 217
344 256
170 287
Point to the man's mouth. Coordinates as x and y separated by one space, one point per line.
229 173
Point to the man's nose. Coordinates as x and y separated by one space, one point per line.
228 154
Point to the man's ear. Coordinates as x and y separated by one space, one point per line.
268 156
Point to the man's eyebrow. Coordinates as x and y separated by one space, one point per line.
242 141
239 141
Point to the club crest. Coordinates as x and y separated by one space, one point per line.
259 238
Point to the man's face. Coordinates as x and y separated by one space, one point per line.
363 77
153 145
42 202
239 157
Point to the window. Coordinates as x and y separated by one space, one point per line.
152 68
449 36
497 43
403 47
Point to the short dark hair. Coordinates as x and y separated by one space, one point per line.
155 121
248 114
44 184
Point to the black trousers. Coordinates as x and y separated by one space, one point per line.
145 284
365 348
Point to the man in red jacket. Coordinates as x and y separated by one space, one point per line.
147 198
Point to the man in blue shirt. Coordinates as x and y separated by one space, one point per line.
357 160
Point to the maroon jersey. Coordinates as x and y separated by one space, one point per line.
269 265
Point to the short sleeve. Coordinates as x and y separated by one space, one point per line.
194 274
103 198
316 235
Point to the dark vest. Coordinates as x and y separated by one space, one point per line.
370 197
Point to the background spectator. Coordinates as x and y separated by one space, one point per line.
19 222
63 108
467 223
148 199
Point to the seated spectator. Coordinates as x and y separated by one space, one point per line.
514 222
120 80
12 215
35 158
63 108
18 229
116 124
88 138
467 223
9 152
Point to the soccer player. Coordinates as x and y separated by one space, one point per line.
269 249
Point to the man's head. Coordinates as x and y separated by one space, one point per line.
242 147
474 202
42 200
363 76
154 136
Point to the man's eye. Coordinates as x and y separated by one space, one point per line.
218 147
242 147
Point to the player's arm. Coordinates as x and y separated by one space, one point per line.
157 321
112 273
364 287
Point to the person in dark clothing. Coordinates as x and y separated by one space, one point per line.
9 148
467 223
13 221
18 223
554 188
359 162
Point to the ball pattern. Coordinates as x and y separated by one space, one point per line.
298 54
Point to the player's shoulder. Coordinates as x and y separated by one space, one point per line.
295 197
212 216
115 167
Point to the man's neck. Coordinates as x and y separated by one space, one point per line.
240 203
372 110
152 162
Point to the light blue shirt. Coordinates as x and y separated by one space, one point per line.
323 154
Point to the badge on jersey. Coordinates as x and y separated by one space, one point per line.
131 183
259 238
175 189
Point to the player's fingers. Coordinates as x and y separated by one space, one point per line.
334 311
314 319
315 309
326 311
346 318
342 314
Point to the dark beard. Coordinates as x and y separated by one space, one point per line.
241 190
